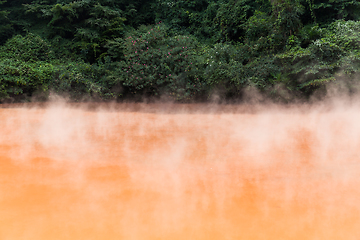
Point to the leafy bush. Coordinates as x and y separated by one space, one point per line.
308 34
223 70
78 81
344 34
28 48
321 62
156 63
27 67
20 79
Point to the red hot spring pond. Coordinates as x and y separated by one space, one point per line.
171 171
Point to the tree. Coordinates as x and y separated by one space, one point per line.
5 27
287 14
88 22
328 11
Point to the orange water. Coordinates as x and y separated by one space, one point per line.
179 172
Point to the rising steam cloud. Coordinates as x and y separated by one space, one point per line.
171 171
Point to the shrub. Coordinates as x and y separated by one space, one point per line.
27 67
223 70
29 48
326 58
79 80
156 63
19 79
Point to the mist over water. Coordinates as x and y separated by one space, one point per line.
171 171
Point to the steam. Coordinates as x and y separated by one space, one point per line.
171 171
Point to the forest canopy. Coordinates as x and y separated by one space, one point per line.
184 50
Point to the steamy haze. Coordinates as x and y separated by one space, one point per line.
177 171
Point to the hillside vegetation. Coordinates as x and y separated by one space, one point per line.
182 50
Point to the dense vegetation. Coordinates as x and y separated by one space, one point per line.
184 50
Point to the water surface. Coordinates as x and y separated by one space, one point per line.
167 171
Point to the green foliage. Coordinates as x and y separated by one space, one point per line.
328 11
259 25
24 67
259 33
287 13
261 70
336 51
20 79
269 32
344 34
137 12
177 13
110 49
233 14
156 63
202 23
187 17
308 34
6 26
28 68
224 72
90 23
80 81
30 48
210 21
